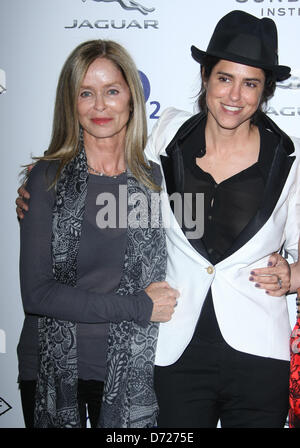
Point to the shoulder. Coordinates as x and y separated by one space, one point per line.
295 172
169 123
296 143
42 175
174 116
296 155
164 130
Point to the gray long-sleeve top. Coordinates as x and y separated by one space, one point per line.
93 302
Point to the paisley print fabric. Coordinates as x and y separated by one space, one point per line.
129 400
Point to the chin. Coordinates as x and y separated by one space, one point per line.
232 124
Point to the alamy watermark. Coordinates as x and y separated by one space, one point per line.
188 209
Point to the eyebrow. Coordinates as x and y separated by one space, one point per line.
117 84
245 79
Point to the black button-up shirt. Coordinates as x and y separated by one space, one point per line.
231 204
228 206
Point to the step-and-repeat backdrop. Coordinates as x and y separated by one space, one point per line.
36 36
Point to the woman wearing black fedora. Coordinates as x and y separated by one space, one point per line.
225 354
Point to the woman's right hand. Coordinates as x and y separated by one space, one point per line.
164 300
21 201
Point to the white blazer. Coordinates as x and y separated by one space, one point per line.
249 320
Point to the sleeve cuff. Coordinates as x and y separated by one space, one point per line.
144 307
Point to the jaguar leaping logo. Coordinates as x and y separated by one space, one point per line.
129 5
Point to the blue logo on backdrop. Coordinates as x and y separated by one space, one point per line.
147 90
129 5
146 85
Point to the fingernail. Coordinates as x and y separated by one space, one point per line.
251 279
267 292
252 273
257 285
270 263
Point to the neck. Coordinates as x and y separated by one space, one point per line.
105 155
221 140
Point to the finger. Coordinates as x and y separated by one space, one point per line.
156 285
21 204
278 293
264 279
280 290
19 213
174 293
282 269
271 287
264 271
274 259
272 280
163 284
168 299
23 193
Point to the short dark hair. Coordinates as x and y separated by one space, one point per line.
207 66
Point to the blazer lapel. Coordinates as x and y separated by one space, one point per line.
173 169
173 163
280 168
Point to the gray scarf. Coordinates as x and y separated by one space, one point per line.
129 400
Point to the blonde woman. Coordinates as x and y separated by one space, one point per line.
93 289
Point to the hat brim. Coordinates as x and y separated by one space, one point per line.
281 72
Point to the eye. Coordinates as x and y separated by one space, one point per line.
112 92
224 79
251 84
85 94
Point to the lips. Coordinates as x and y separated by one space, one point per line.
101 121
231 108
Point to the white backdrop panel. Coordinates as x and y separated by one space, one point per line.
36 36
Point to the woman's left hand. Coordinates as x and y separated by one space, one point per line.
275 279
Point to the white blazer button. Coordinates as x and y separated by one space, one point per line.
210 270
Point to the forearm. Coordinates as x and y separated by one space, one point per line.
53 299
43 295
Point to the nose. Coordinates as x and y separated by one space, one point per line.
100 104
235 91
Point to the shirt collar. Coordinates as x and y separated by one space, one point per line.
193 145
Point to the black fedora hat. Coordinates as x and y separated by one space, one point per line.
243 38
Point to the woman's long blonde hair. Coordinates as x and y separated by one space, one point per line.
65 141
